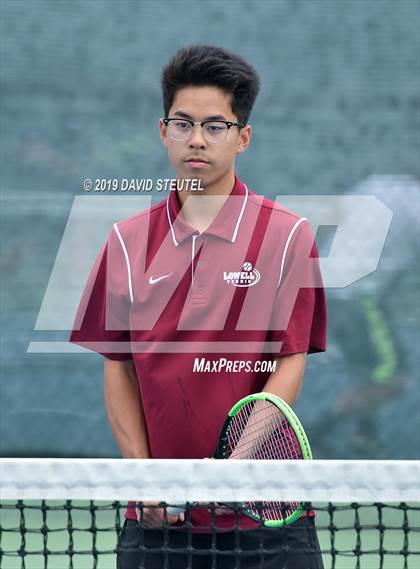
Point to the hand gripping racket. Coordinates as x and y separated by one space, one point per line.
263 427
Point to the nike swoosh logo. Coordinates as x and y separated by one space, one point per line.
153 281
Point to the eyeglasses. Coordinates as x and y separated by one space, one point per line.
214 132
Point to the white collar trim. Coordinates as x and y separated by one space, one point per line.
235 233
170 223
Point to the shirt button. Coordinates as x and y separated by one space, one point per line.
200 264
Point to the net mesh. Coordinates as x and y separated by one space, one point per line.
75 533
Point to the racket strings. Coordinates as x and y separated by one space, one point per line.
260 430
276 446
269 437
241 431
272 511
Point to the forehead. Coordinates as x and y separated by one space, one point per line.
202 102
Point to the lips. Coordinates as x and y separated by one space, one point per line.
196 159
196 163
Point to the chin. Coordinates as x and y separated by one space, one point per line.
193 175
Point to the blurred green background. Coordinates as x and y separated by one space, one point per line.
338 113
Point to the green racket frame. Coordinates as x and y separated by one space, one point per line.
296 425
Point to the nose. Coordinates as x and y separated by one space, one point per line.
197 139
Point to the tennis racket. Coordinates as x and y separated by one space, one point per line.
263 427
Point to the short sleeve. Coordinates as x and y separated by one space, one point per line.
102 318
299 318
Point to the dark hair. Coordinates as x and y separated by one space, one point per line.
204 65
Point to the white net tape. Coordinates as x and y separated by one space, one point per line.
223 480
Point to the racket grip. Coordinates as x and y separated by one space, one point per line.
178 508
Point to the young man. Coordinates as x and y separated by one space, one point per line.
219 276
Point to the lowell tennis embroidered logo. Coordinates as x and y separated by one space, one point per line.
249 276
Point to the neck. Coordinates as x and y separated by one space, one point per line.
199 209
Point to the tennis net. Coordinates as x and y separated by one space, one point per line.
68 513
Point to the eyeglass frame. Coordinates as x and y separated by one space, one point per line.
229 125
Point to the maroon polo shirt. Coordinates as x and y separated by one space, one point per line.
249 288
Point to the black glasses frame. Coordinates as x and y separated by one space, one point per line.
229 124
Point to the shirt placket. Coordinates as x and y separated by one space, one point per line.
198 268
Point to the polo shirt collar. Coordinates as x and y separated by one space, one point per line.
226 224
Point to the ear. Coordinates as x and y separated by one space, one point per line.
163 132
244 139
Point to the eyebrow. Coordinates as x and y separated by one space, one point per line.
210 118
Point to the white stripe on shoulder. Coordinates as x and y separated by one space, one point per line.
170 222
296 225
240 215
127 260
